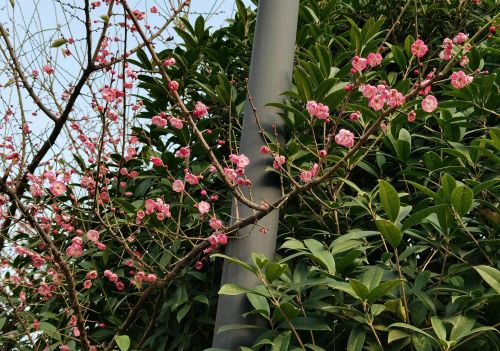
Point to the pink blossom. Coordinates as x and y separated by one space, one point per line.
322 153
222 239
230 174
355 116
345 138
36 190
368 90
119 285
159 121
317 110
44 289
418 48
191 179
264 150
183 152
460 38
376 102
215 223
157 162
74 250
411 116
176 123
460 79
200 110
395 98
464 61
91 275
374 59
169 62
278 161
429 104
87 284
447 50
198 265
241 161
48 69
203 207
173 85
359 63
153 9
108 94
57 188
77 241
178 186
93 235
34 73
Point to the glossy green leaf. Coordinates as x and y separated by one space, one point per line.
390 232
389 200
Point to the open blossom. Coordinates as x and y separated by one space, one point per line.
368 90
344 138
215 223
183 152
176 123
447 50
157 162
376 102
460 79
355 116
306 176
203 207
464 61
159 121
374 59
93 235
57 188
411 116
178 186
317 110
74 250
48 69
108 94
429 104
241 161
200 109
278 161
191 179
359 63
460 38
418 48
395 98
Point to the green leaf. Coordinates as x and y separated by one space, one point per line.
281 342
359 288
390 232
229 327
123 342
419 216
304 85
356 339
389 200
259 303
439 328
490 275
399 57
322 254
308 323
274 271
415 329
461 326
58 42
381 290
461 199
245 265
235 289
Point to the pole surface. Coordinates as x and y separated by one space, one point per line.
270 75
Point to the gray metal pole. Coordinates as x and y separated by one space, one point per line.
270 75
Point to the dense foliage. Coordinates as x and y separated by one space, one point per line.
393 244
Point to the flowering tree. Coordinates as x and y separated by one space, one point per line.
110 215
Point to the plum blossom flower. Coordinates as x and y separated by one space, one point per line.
411 116
153 9
169 62
93 235
418 48
345 138
178 186
241 161
108 94
355 116
359 63
374 59
279 160
429 104
48 69
460 79
460 38
200 109
183 152
157 162
57 188
445 55
317 110
203 207
74 250
173 85
176 123
191 179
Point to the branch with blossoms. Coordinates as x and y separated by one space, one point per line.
378 97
